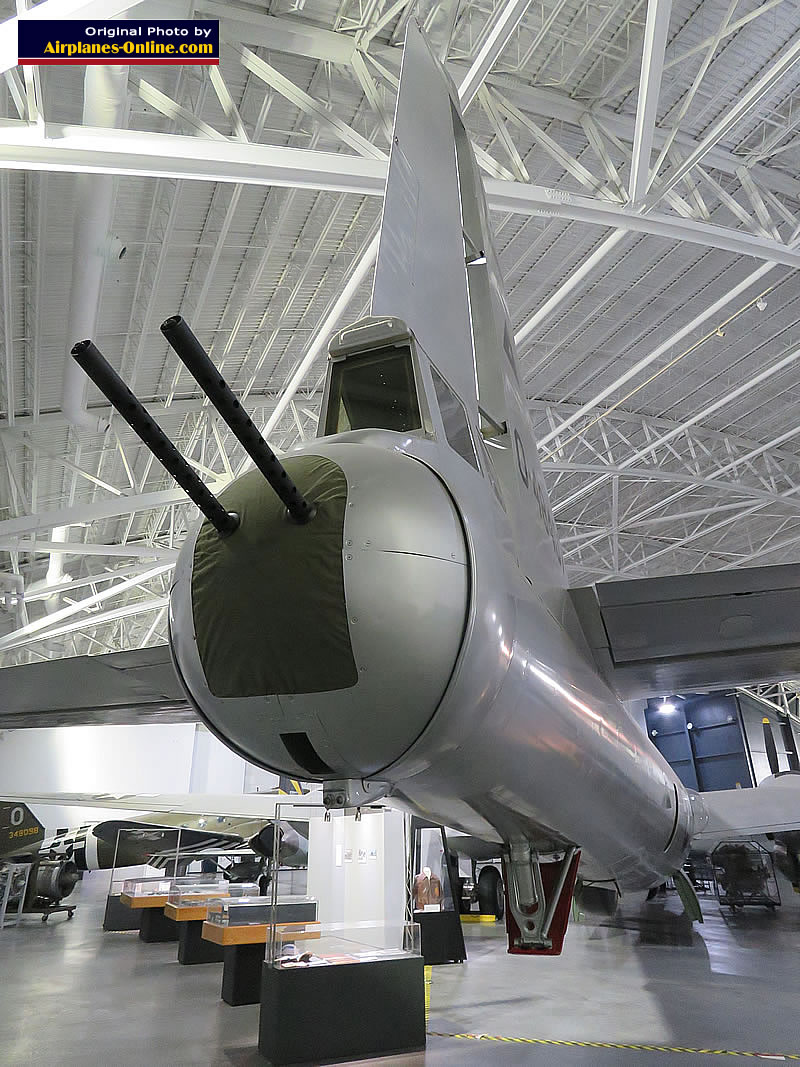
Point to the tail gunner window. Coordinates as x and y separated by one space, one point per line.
376 390
454 419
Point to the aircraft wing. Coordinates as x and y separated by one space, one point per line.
159 839
652 636
122 688
245 806
474 848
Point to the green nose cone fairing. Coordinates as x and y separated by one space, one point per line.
269 601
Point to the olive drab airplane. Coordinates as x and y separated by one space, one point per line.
183 827
387 613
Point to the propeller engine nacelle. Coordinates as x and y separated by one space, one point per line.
292 846
55 880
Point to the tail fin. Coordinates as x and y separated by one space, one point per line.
420 274
437 268
290 785
20 830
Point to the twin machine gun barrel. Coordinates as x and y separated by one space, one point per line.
200 366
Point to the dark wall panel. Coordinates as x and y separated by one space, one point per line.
701 740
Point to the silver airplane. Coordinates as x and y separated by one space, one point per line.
406 630
431 652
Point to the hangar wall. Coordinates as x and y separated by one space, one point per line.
357 869
752 714
716 740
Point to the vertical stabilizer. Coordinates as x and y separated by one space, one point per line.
290 786
420 275
437 268
20 831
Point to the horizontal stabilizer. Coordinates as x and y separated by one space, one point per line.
695 631
772 808
120 688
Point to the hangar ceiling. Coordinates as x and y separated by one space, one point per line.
642 162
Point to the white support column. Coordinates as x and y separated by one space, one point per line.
55 10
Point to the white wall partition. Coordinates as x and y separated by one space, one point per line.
357 870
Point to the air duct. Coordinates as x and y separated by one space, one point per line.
104 100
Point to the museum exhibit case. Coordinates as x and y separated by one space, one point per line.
187 905
435 901
376 966
364 951
118 914
238 927
257 910
148 897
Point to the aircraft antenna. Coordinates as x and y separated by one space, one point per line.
197 362
97 367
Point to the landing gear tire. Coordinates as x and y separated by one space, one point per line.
491 898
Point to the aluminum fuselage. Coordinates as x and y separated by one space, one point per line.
528 740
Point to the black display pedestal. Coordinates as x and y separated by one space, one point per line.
192 947
119 916
155 926
311 1015
441 937
241 973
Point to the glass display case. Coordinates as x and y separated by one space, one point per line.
338 943
435 899
377 965
162 887
199 891
253 910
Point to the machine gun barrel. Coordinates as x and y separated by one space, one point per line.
97 367
197 362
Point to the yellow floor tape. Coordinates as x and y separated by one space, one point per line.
615 1044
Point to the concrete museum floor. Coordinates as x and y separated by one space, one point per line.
72 995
